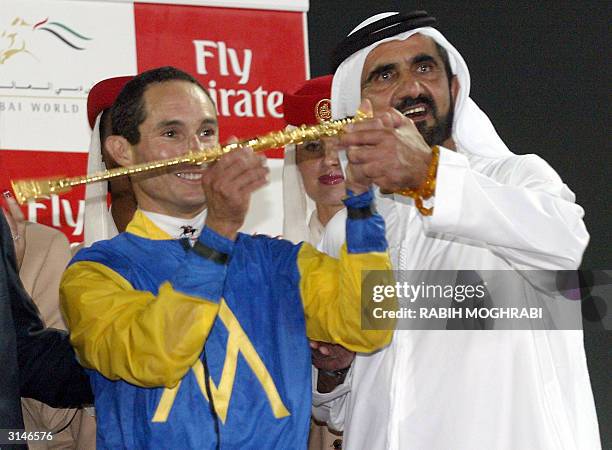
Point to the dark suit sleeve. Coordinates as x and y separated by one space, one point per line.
48 369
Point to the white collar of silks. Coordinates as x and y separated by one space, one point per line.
178 228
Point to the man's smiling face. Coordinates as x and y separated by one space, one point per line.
179 117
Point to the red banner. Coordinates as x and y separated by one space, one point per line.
65 212
244 59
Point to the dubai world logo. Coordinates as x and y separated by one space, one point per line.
18 37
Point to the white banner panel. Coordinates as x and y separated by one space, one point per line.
51 54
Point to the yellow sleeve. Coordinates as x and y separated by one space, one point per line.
133 335
331 294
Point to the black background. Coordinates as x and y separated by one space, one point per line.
541 72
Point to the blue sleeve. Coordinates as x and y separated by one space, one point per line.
365 228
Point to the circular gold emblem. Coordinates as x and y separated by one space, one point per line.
323 110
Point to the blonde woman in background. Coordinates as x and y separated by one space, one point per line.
313 188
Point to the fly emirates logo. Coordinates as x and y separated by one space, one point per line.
235 64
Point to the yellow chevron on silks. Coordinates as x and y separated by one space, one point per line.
237 342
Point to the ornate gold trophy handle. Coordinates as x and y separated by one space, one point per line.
39 188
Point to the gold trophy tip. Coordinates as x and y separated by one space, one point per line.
36 189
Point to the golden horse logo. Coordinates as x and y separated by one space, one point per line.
13 40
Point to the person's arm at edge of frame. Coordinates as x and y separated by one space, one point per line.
48 369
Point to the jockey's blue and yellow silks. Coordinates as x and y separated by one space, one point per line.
147 315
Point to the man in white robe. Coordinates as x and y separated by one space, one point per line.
490 210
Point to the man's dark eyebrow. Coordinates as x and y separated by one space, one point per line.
378 70
170 123
424 57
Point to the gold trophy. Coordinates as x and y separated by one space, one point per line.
41 188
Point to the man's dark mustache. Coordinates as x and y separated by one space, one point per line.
408 102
